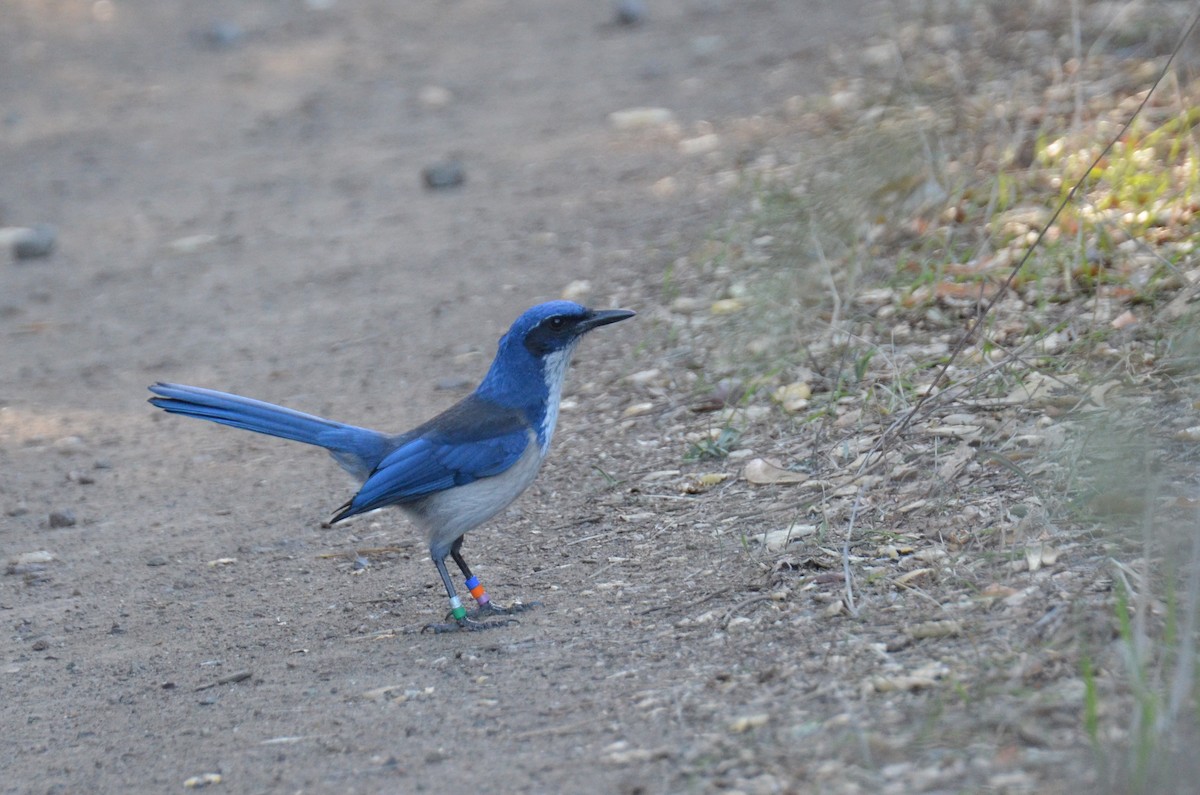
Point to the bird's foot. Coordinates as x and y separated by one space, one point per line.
467 625
492 609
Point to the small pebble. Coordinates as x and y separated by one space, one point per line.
192 243
30 558
577 291
37 243
222 35
196 782
435 96
640 118
701 144
447 174
40 645
453 383
70 445
157 560
64 518
707 46
630 12
28 242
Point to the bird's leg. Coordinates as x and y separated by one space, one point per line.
457 612
485 605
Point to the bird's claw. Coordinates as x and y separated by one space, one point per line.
489 609
467 625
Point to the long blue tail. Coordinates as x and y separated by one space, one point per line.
357 450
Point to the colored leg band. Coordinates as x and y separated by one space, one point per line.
456 609
477 591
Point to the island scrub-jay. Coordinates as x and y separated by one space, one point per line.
455 471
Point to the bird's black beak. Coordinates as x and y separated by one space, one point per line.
602 317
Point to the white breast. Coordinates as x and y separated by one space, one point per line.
555 370
446 515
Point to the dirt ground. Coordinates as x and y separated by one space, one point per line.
237 190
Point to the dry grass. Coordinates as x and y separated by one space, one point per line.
999 451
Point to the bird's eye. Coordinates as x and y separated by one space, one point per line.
558 323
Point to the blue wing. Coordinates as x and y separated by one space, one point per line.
473 439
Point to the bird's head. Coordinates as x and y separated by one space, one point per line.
533 357
557 326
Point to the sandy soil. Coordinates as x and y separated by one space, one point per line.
237 189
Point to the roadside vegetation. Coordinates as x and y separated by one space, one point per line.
957 380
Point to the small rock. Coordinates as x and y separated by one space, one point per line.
698 484
845 100
196 782
40 645
63 518
28 242
222 35
1125 320
707 46
29 565
947 628
665 188
32 558
447 174
748 722
453 383
688 306
435 96
82 478
638 409
577 290
776 540
70 445
157 560
644 377
1191 434
762 472
700 145
727 306
630 12
192 243
793 397
640 118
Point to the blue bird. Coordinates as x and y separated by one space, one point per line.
459 469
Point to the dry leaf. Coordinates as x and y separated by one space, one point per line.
935 629
638 409
793 397
775 540
998 591
1191 434
698 484
763 471
1038 555
956 431
727 306
748 722
1124 320
905 579
953 466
